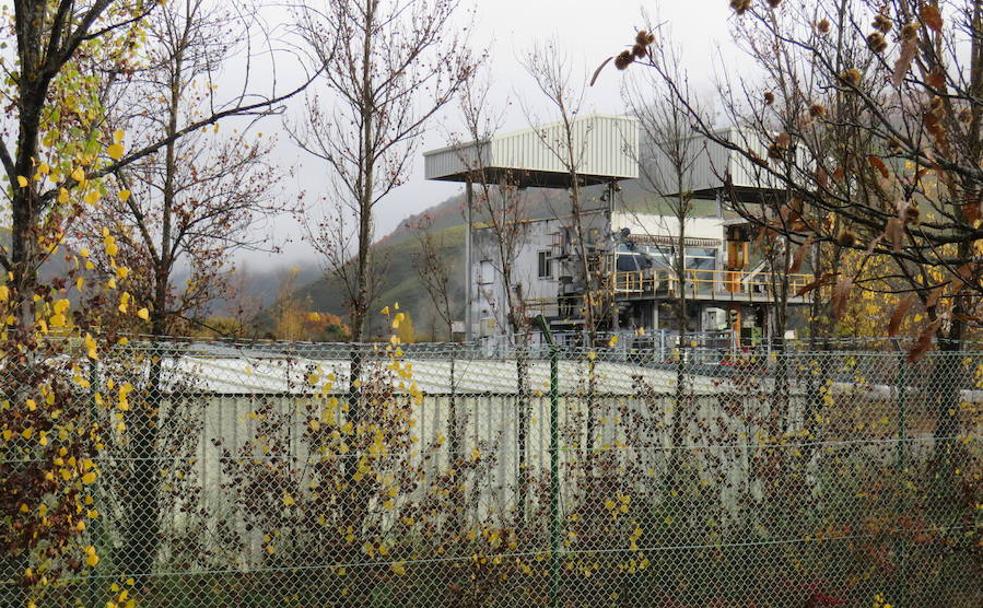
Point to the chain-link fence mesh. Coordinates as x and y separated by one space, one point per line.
268 474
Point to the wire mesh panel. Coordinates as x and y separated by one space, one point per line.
270 474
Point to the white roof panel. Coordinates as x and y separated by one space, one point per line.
606 148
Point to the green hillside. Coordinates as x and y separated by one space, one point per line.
401 282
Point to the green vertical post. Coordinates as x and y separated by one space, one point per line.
902 466
554 477
554 358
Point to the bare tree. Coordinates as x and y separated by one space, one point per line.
433 268
669 151
551 71
188 205
389 66
497 202
503 209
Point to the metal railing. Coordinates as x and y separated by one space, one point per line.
722 284
283 474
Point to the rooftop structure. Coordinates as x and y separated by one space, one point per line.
607 150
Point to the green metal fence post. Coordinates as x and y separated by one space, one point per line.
554 478
554 463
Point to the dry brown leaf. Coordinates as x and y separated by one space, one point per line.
936 78
931 16
822 177
924 342
841 296
899 314
972 212
894 231
908 50
875 161
800 255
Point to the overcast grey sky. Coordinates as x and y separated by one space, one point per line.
588 30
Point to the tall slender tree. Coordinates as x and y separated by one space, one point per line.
389 67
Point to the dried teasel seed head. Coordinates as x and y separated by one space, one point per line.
642 38
816 110
623 60
852 76
823 26
774 3
876 41
639 51
769 98
776 152
740 6
965 115
909 31
882 23
846 239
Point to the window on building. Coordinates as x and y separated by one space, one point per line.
701 258
545 265
486 272
701 262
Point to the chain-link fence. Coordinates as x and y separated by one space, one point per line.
218 474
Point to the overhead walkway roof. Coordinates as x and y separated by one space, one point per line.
605 147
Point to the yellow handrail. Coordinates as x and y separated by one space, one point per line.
707 281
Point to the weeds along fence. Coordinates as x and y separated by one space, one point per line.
269 474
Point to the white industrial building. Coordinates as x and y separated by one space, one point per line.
631 236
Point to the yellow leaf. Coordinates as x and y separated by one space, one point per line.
124 195
90 346
79 175
143 313
288 500
115 151
91 558
22 181
4 293
118 135
92 197
399 568
89 478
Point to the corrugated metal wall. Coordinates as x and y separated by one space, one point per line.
603 145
